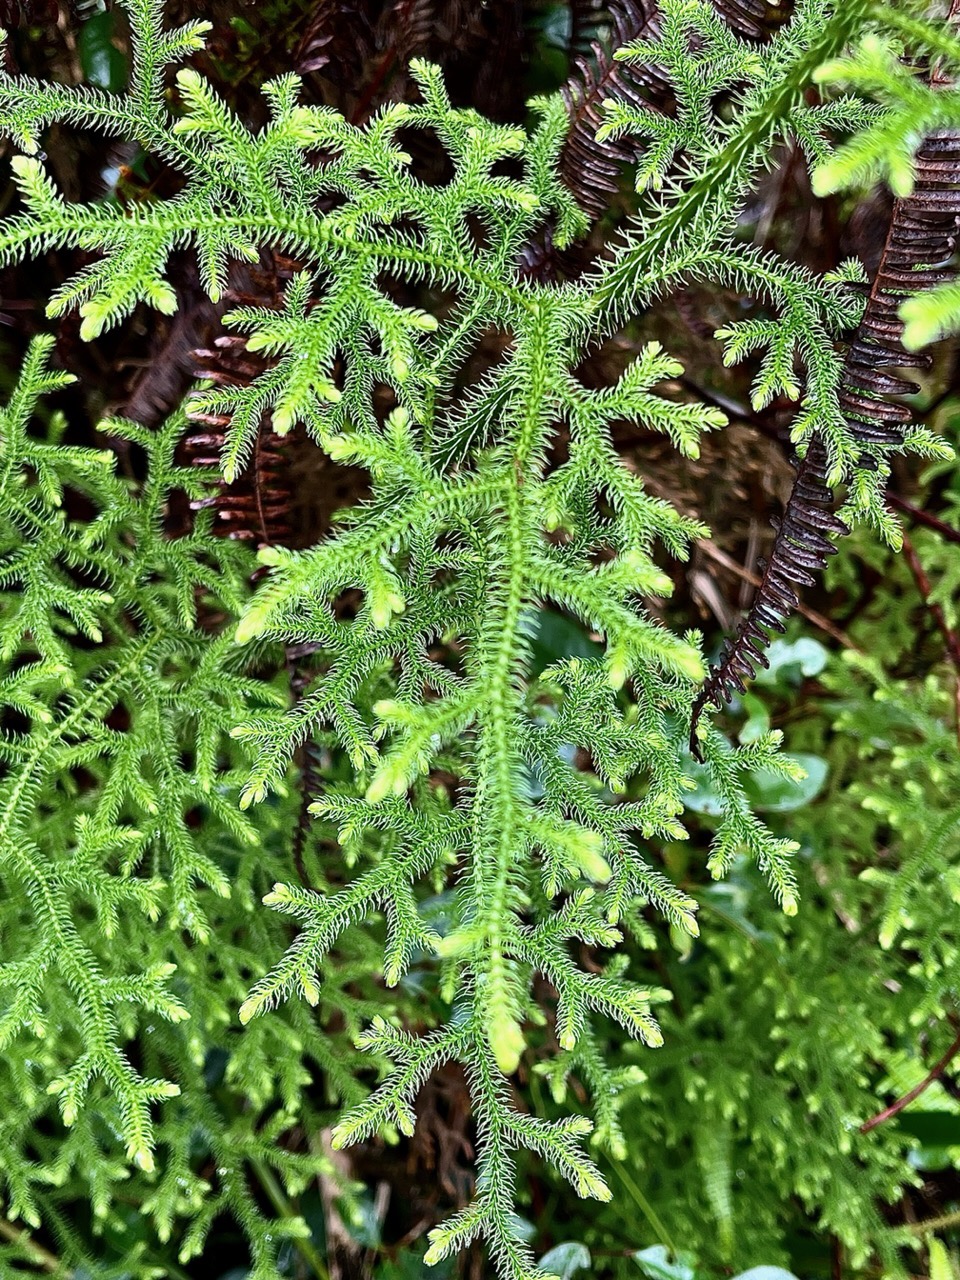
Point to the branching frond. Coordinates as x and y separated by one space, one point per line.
535 803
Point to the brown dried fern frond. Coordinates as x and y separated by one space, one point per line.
918 254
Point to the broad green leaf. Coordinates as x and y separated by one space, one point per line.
791 660
758 718
657 1263
555 636
941 1268
102 62
565 1259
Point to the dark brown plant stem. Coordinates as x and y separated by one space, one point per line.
895 1108
919 516
382 73
592 169
39 1256
836 1258
950 637
819 621
917 254
800 552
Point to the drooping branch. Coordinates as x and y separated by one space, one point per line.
800 552
592 169
920 243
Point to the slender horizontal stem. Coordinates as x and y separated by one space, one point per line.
932 1075
920 516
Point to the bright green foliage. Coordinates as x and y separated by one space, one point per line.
123 855
468 531
884 67
705 164
835 1011
913 108
68 693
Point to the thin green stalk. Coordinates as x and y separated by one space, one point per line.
275 1194
281 228
498 765
644 1205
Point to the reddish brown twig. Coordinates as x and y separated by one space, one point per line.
950 637
895 1108
919 516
